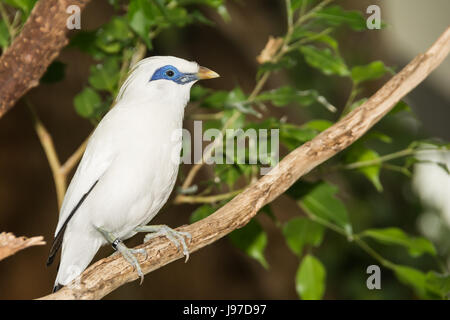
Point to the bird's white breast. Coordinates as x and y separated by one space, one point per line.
142 175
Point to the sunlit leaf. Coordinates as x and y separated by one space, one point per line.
87 102
438 284
285 95
322 203
336 16
371 71
361 154
105 76
318 125
310 279
414 278
415 245
325 61
141 16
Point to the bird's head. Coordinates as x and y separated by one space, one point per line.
163 77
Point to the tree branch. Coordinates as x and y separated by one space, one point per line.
25 61
110 273
10 244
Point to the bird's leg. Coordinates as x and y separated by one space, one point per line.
128 254
176 237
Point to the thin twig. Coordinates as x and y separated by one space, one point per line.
206 199
52 156
72 161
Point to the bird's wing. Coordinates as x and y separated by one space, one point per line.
97 158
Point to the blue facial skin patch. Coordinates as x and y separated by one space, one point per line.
171 73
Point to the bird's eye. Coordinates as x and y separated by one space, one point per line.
170 73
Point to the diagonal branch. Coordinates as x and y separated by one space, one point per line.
110 273
25 61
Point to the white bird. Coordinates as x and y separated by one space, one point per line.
127 171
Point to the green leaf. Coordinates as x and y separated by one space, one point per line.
4 35
141 16
359 153
113 36
416 245
318 125
252 239
228 174
236 99
293 136
87 102
310 279
55 72
86 42
198 92
322 203
285 62
306 35
216 100
24 5
356 104
438 284
299 232
413 278
285 95
377 136
201 213
105 76
336 16
296 4
371 71
399 107
325 61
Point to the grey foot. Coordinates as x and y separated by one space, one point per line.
176 237
128 254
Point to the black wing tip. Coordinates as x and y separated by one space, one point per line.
54 249
60 235
57 287
50 260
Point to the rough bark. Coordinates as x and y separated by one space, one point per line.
10 244
110 273
26 60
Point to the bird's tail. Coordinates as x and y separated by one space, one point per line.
78 250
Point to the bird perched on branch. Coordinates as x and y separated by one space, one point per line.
128 169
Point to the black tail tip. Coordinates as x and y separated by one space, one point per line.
57 287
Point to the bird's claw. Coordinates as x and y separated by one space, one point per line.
140 251
129 255
176 237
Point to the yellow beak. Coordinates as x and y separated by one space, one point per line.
205 73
